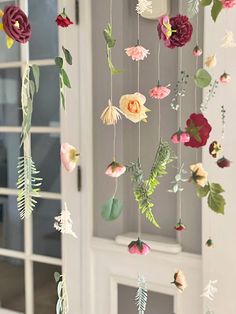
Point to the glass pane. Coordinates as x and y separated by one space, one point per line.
47 103
46 155
44 40
45 289
10 113
47 240
6 54
11 226
12 286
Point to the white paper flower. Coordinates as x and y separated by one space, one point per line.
209 291
63 223
144 6
228 40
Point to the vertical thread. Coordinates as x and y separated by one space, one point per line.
158 80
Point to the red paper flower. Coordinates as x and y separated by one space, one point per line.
199 130
16 24
138 247
223 162
181 29
180 137
63 20
180 226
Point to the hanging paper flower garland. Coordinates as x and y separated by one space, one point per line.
138 247
63 20
69 156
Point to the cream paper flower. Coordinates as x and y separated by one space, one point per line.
211 61
199 175
111 114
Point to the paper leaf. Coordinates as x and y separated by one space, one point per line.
205 2
67 55
112 209
202 78
216 9
65 78
108 35
216 202
59 62
203 191
36 75
141 295
57 276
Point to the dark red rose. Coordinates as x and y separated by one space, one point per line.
223 162
182 31
199 130
63 20
180 226
16 24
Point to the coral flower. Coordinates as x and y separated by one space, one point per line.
197 51
224 162
180 226
115 170
228 4
199 130
111 114
214 149
180 281
138 247
137 53
159 92
69 156
63 20
133 107
180 137
225 78
211 61
199 175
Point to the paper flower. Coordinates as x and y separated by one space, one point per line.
197 51
225 78
214 149
180 281
16 24
137 53
180 226
228 40
176 31
209 291
223 162
180 137
199 130
209 243
69 156
111 114
211 61
133 108
138 247
63 223
199 175
115 170
159 92
144 6
63 20
228 4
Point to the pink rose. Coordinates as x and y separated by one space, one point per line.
197 51
159 92
115 170
228 4
180 137
138 247
225 78
69 156
137 53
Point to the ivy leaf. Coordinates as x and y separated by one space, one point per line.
59 62
216 9
203 191
112 209
36 75
202 78
216 188
67 55
65 78
205 2
216 202
109 36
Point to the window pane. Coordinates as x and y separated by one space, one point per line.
10 113
44 40
9 221
45 288
12 286
6 54
46 239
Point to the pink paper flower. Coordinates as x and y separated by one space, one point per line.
137 53
197 51
228 4
69 156
138 247
159 92
180 226
180 137
115 170
225 78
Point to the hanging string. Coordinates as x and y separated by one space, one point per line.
159 79
196 68
139 124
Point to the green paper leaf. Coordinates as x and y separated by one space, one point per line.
59 62
205 2
216 188
57 276
112 209
203 191
216 202
216 9
36 75
63 102
32 89
67 55
65 78
202 78
110 41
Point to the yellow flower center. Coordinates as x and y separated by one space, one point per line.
134 106
73 155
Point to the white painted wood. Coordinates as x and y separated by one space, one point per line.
18 64
40 130
159 8
5 311
46 195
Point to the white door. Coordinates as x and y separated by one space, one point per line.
32 250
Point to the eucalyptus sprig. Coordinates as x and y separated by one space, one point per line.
179 90
177 182
143 189
62 306
64 80
210 95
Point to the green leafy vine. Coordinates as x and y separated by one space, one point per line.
62 306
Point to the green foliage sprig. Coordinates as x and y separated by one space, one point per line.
177 182
216 7
64 80
62 306
141 295
210 95
193 8
179 90
143 189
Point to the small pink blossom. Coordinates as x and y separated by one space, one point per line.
137 53
225 78
228 4
180 137
138 247
159 92
197 51
115 170
69 156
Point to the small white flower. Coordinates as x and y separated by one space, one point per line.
63 223
209 291
228 40
144 6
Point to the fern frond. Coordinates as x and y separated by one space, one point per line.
141 295
28 186
62 306
193 8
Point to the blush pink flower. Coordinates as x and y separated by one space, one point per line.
159 92
115 170
69 156
228 4
197 51
137 53
138 247
225 78
180 137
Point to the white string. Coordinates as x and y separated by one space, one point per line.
195 87
159 79
139 124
